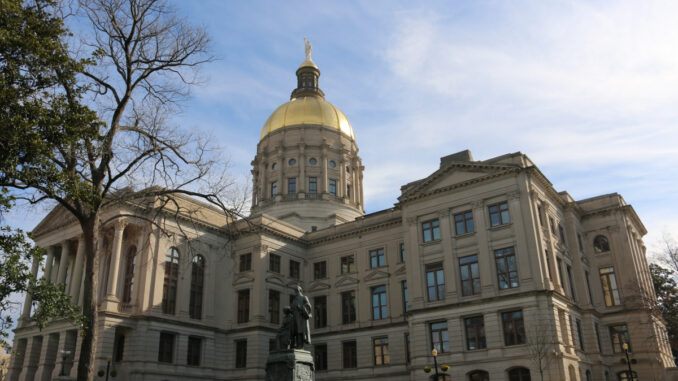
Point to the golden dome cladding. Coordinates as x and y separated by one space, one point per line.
307 110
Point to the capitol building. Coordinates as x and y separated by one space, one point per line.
508 278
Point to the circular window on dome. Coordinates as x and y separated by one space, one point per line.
313 161
292 161
332 164
274 165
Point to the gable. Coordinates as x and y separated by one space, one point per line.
453 175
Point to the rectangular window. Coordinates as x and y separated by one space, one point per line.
379 310
348 264
350 354
439 338
313 185
348 307
274 306
241 353
579 242
561 233
274 189
274 263
552 224
435 281
610 291
194 351
588 286
292 185
507 268
119 347
560 273
272 345
499 214
430 230
377 258
402 252
475 333
403 285
407 347
381 355
470 276
514 329
333 187
320 311
580 335
619 335
320 270
166 347
540 213
243 306
597 328
570 280
463 222
548 264
294 269
320 356
246 262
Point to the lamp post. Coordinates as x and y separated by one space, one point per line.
64 356
443 367
108 366
625 347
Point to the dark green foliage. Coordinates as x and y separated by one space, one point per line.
667 298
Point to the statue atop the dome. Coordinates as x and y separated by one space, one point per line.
309 48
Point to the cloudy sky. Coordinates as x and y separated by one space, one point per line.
588 90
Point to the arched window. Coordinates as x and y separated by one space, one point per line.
130 263
519 374
624 376
169 289
479 375
588 375
197 284
601 244
572 372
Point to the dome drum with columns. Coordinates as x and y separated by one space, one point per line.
307 170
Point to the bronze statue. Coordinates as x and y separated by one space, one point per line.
301 309
295 330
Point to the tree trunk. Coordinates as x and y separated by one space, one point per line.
90 230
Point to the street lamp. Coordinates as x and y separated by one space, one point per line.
625 347
64 356
443 367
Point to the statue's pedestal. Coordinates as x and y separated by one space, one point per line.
290 365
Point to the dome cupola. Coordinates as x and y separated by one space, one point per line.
307 171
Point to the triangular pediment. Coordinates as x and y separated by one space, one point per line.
453 175
57 218
376 274
402 270
346 281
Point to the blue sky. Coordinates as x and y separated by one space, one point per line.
588 90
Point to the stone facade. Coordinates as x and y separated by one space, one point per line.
483 260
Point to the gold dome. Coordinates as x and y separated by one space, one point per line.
307 110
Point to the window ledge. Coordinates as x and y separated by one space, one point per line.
465 235
432 242
499 227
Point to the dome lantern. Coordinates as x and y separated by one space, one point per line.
307 77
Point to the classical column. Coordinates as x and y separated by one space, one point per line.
301 184
63 262
76 277
323 171
26 313
341 192
115 260
48 264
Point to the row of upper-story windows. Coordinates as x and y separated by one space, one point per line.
312 161
312 186
171 282
463 222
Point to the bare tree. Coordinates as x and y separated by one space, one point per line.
541 344
669 252
140 61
